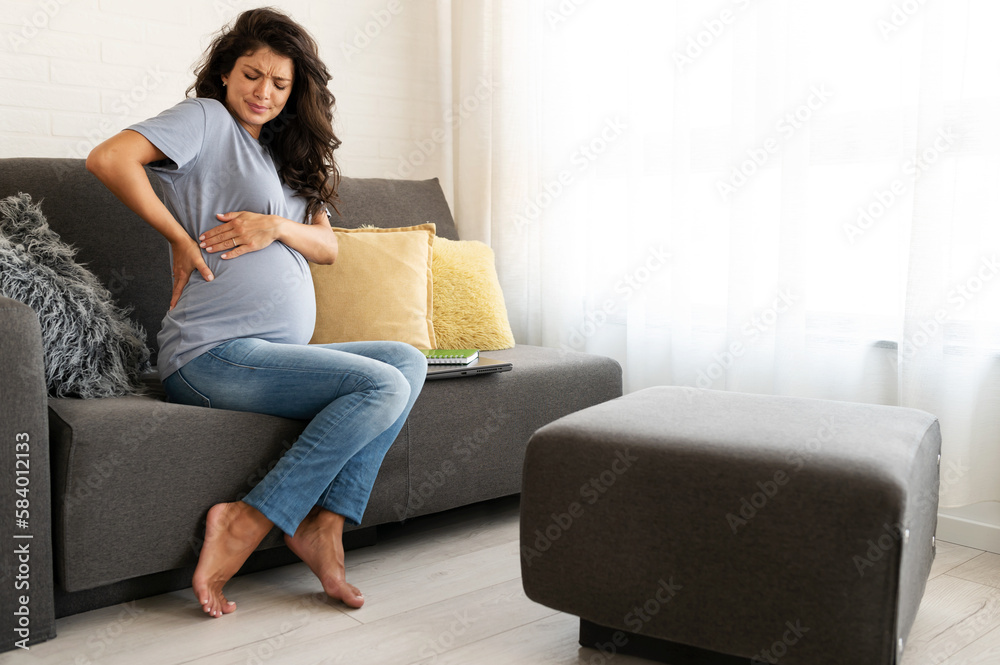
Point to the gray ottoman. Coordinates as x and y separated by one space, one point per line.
705 526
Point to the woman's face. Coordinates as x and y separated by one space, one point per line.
258 87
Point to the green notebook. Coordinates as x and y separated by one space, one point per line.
450 356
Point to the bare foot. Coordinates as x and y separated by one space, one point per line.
319 542
232 532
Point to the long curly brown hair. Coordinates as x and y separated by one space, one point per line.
301 137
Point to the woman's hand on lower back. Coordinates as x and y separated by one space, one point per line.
187 259
241 232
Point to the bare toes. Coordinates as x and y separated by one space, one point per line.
232 531
348 594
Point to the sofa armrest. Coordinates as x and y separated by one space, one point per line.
27 611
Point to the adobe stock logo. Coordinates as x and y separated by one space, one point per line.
779 648
451 120
30 27
583 158
372 30
962 294
882 200
758 324
629 285
878 547
635 620
899 16
712 30
126 103
786 127
562 13
771 486
592 491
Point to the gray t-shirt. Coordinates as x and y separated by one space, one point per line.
215 166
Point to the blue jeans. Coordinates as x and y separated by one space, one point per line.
356 396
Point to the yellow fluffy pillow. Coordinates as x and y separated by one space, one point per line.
469 310
380 287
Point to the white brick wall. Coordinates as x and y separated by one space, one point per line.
75 72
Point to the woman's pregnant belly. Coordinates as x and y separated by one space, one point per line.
266 294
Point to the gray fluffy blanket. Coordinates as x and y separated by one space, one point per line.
92 347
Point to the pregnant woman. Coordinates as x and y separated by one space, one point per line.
248 174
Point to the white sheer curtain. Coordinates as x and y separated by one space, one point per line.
757 195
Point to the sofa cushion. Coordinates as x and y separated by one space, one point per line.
476 451
137 475
380 287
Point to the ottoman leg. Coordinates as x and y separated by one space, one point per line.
610 641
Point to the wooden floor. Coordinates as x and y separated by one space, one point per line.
447 589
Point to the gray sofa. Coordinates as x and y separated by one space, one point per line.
132 478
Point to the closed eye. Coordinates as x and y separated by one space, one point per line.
254 78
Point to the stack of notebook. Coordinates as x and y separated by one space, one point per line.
450 363
450 356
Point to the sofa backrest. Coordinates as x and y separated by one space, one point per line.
131 258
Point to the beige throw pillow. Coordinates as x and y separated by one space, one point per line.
380 287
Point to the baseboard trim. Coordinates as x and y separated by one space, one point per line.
976 526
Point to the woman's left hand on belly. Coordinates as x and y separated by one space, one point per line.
241 232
